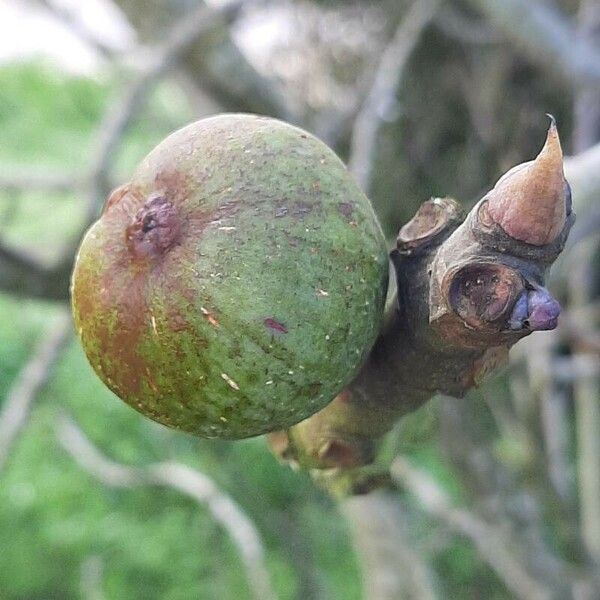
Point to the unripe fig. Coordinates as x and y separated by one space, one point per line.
236 283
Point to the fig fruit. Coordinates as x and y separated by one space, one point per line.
236 283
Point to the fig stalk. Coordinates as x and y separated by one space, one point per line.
468 289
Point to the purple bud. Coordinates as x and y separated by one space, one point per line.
519 313
543 310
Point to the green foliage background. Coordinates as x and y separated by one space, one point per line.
153 543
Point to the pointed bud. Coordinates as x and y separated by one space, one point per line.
530 201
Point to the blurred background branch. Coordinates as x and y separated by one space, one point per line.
392 563
19 400
546 36
186 481
501 553
176 42
381 99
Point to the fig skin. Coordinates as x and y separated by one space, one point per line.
236 284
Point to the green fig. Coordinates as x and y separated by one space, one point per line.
235 285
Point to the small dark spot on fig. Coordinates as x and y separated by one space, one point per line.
275 325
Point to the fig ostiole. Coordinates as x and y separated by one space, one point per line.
236 284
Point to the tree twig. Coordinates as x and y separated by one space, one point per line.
586 125
34 180
488 539
182 479
392 567
554 403
454 24
33 376
547 38
586 392
216 64
91 578
382 94
583 173
78 28
24 276
178 40
575 329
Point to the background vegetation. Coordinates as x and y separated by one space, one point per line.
422 98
